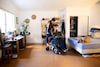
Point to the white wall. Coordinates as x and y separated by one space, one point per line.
95 15
73 12
35 25
8 6
83 25
63 15
78 11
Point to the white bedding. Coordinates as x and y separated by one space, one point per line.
88 48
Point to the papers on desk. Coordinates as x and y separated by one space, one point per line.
14 56
16 38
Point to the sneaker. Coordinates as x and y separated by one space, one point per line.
65 50
51 47
47 48
56 51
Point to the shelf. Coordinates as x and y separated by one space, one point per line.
73 26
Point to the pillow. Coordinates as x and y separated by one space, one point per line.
96 35
87 39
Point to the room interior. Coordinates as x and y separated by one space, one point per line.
87 13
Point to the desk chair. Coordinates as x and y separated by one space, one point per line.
7 52
6 49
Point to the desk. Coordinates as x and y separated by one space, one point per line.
17 43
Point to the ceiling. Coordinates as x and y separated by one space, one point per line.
51 4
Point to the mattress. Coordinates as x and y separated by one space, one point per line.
85 48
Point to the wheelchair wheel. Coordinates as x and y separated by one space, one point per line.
56 51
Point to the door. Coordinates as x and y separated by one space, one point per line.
83 24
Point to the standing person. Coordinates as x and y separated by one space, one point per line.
49 32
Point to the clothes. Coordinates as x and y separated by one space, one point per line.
63 27
49 29
59 43
48 38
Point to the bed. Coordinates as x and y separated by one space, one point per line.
86 49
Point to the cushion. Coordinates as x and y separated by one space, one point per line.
96 35
87 39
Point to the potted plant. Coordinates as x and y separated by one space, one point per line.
25 25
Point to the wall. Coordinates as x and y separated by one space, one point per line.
95 16
8 6
35 37
35 25
63 15
93 13
73 11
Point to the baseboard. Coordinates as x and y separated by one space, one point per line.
34 44
91 55
42 44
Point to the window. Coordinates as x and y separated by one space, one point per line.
7 21
2 21
10 22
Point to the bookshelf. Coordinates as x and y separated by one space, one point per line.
73 26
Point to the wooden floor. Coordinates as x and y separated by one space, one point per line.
36 56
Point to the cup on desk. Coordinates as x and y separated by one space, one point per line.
12 38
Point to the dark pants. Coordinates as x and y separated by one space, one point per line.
59 43
48 38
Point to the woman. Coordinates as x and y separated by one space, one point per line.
49 32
